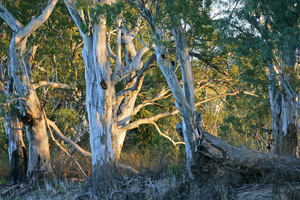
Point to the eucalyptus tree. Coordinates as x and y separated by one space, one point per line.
29 108
110 109
271 30
206 154
156 15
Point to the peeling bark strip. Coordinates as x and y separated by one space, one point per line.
18 156
284 119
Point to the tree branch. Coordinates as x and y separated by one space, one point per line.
149 120
159 96
35 23
66 152
78 19
197 55
135 65
51 84
11 21
67 140
165 136
138 82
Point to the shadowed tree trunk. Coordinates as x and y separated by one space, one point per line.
17 152
18 157
284 114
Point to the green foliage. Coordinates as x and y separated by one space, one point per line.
174 171
144 135
67 116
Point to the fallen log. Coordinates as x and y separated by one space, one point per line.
214 155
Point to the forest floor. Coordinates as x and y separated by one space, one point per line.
154 185
165 180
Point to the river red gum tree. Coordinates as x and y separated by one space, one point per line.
29 108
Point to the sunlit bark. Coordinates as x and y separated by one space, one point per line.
30 110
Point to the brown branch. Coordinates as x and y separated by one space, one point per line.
261 129
197 55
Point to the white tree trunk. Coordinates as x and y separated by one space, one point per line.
30 110
125 109
108 113
100 94
189 125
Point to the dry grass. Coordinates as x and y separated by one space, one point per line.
162 176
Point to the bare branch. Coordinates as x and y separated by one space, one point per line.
162 95
135 65
66 152
261 129
138 82
16 99
67 140
35 23
77 17
165 136
140 41
154 118
11 21
108 46
37 66
51 84
225 94
149 120
197 55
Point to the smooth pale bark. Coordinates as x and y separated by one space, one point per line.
190 131
185 65
284 115
99 87
184 100
189 126
108 113
125 109
98 95
31 112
